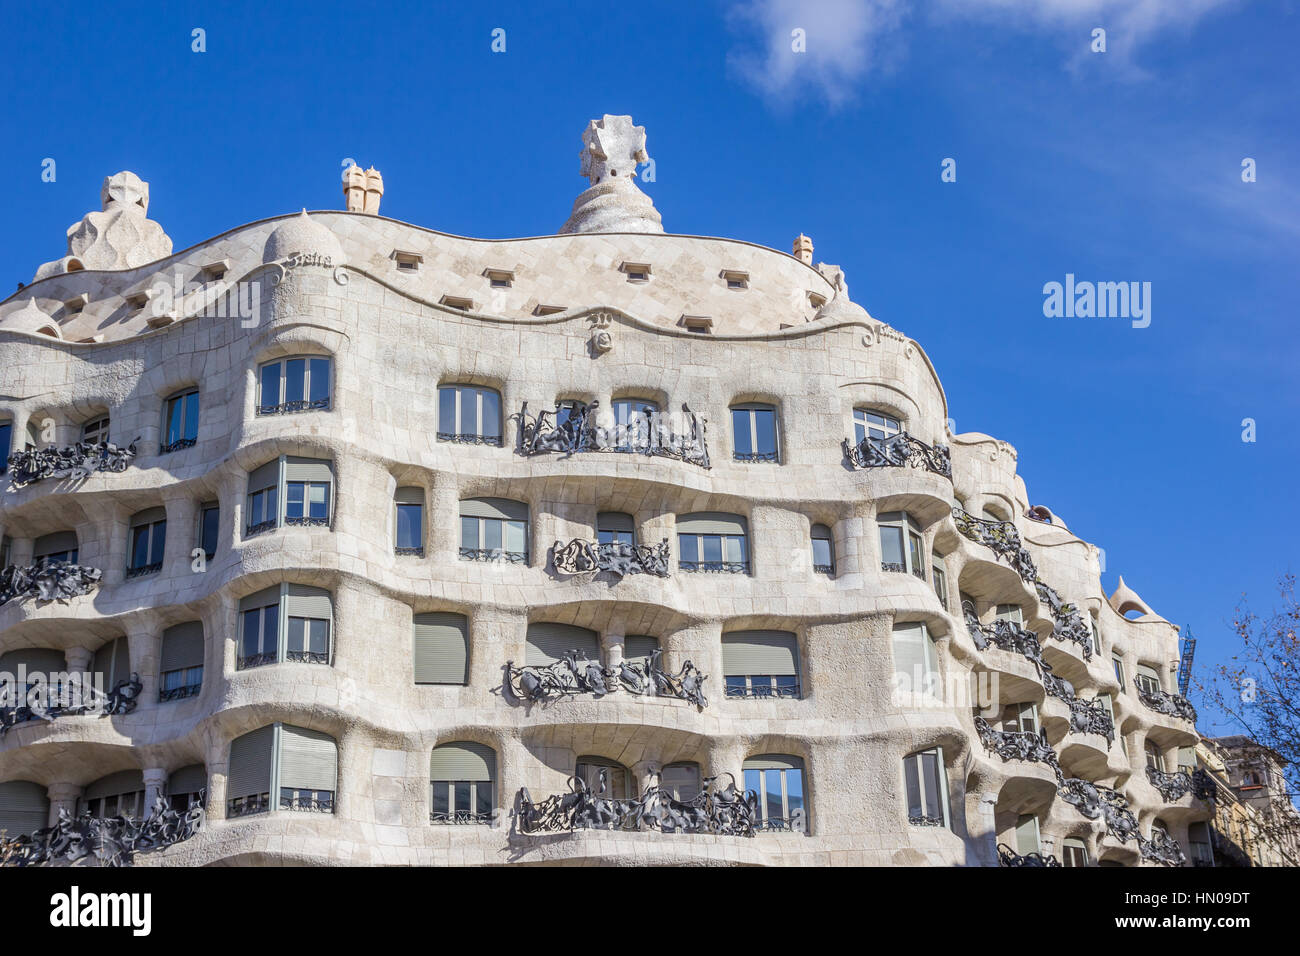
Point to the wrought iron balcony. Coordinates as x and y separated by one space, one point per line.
745 690
113 841
290 408
579 433
1007 635
470 438
262 526
71 461
498 555
1017 745
1171 705
1174 786
307 657
825 569
1097 802
306 801
1002 537
179 693
620 558
575 674
461 818
48 702
896 451
891 567
1162 848
142 570
714 567
257 660
1091 717
416 552
47 582
1009 857
925 821
751 457
1068 622
247 806
715 809
177 445
306 521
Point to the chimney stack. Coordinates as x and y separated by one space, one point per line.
803 249
362 190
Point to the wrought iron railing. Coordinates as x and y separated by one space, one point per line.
579 433
827 569
461 817
416 552
751 457
714 567
1017 745
575 674
113 841
179 693
257 660
248 805
923 820
470 438
896 451
1171 705
306 801
494 554
306 521
177 445
620 558
48 702
1002 537
141 570
1176 785
260 527
893 567
1009 857
71 461
307 657
47 582
749 691
1162 848
289 408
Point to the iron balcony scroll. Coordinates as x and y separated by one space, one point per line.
113 841
618 557
58 581
653 435
896 451
720 810
1017 745
1174 786
71 461
575 674
1097 802
1009 857
43 702
1171 705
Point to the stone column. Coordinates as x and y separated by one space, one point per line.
218 764
79 659
144 642
443 544
182 538
646 773
155 785
987 827
63 796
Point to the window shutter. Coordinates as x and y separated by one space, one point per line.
774 762
189 779
409 495
124 781
309 759
639 647
760 652
262 598
54 543
681 779
250 763
548 643
40 660
821 532
912 650
711 522
494 508
148 516
308 469
441 649
614 521
1027 835
1187 758
267 476
1146 670
182 646
24 808
305 601
113 661
463 760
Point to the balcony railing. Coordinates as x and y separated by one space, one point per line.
1067 620
1009 857
290 408
654 436
415 552
620 558
72 698
1002 537
71 461
1171 705
179 693
716 809
257 660
247 806
306 521
307 801
892 567
498 555
1176 785
748 691
926 821
752 457
142 570
307 657
47 582
262 526
575 674
113 841
177 445
1162 848
1091 717
896 451
470 438
461 817
714 567
1017 745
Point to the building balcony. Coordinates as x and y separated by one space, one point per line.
494 555
897 451
1171 705
1175 786
1017 745
292 408
47 581
574 674
112 841
49 702
576 432
1000 536
71 461
1004 634
619 558
1009 857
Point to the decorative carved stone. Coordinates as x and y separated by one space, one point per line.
71 461
602 338
588 557
111 842
611 149
119 236
898 450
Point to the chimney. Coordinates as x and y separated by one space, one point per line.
374 190
362 190
803 249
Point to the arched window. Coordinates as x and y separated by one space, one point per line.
754 433
713 541
633 420
148 540
181 665
493 529
606 778
187 787
298 765
1075 852
180 426
118 794
778 779
409 525
470 414
286 622
462 783
823 550
24 808
868 423
298 384
441 648
57 548
925 784
760 664
549 642
901 547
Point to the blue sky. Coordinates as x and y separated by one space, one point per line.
1123 165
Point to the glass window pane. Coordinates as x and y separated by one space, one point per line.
251 636
447 410
441 793
295 380
735 549
469 533
765 425
740 429
139 547
821 549
320 379
483 802
688 548
320 500
491 414
294 493
912 779
712 547
930 767
752 783
296 640
271 629
410 526
319 633
492 534
918 562
516 538
772 793
794 793
271 384
461 793
211 528
469 411
192 416
159 539
891 545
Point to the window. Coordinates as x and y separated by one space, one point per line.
1027 836
735 280
6 439
778 781
1010 612
823 550
939 577
148 536
926 785
407 261
181 662
1075 852
753 429
1154 760
901 548
760 664
548 642
95 431
606 778
868 423
118 794
635 271
409 503
294 385
916 662
639 649
457 302
1020 718
499 278
181 421
304 485
298 765
681 781
1198 835
209 527
186 787
633 421
615 529
469 414
699 324
441 648
462 783
1147 679
288 622
494 529
1187 759
569 413
712 541
1119 673
548 309
57 548
24 807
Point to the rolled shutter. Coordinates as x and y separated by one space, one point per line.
267 476
54 543
189 779
760 652
309 759
24 808
262 598
441 649
1146 670
250 763
911 655
1187 758
773 762
548 643
638 646
494 508
124 781
182 646
308 469
148 516
615 521
821 532
40 660
304 601
711 522
409 495
463 760
1027 835
113 660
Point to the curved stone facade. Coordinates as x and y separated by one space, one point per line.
336 291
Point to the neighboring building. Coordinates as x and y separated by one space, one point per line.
1255 821
405 542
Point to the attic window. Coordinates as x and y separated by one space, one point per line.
457 302
215 271
138 300
736 280
701 324
76 303
817 301
407 261
635 271
499 278
548 309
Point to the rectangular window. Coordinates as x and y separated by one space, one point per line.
780 797
867 423
940 579
926 788
491 539
209 528
901 548
147 542
261 638
469 414
308 640
823 559
713 552
1119 673
410 528
294 385
633 421
754 431
182 424
307 502
95 431
6 438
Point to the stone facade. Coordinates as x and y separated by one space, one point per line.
780 332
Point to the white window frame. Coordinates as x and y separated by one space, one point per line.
887 427
753 455
95 431
923 784
283 379
910 532
460 389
